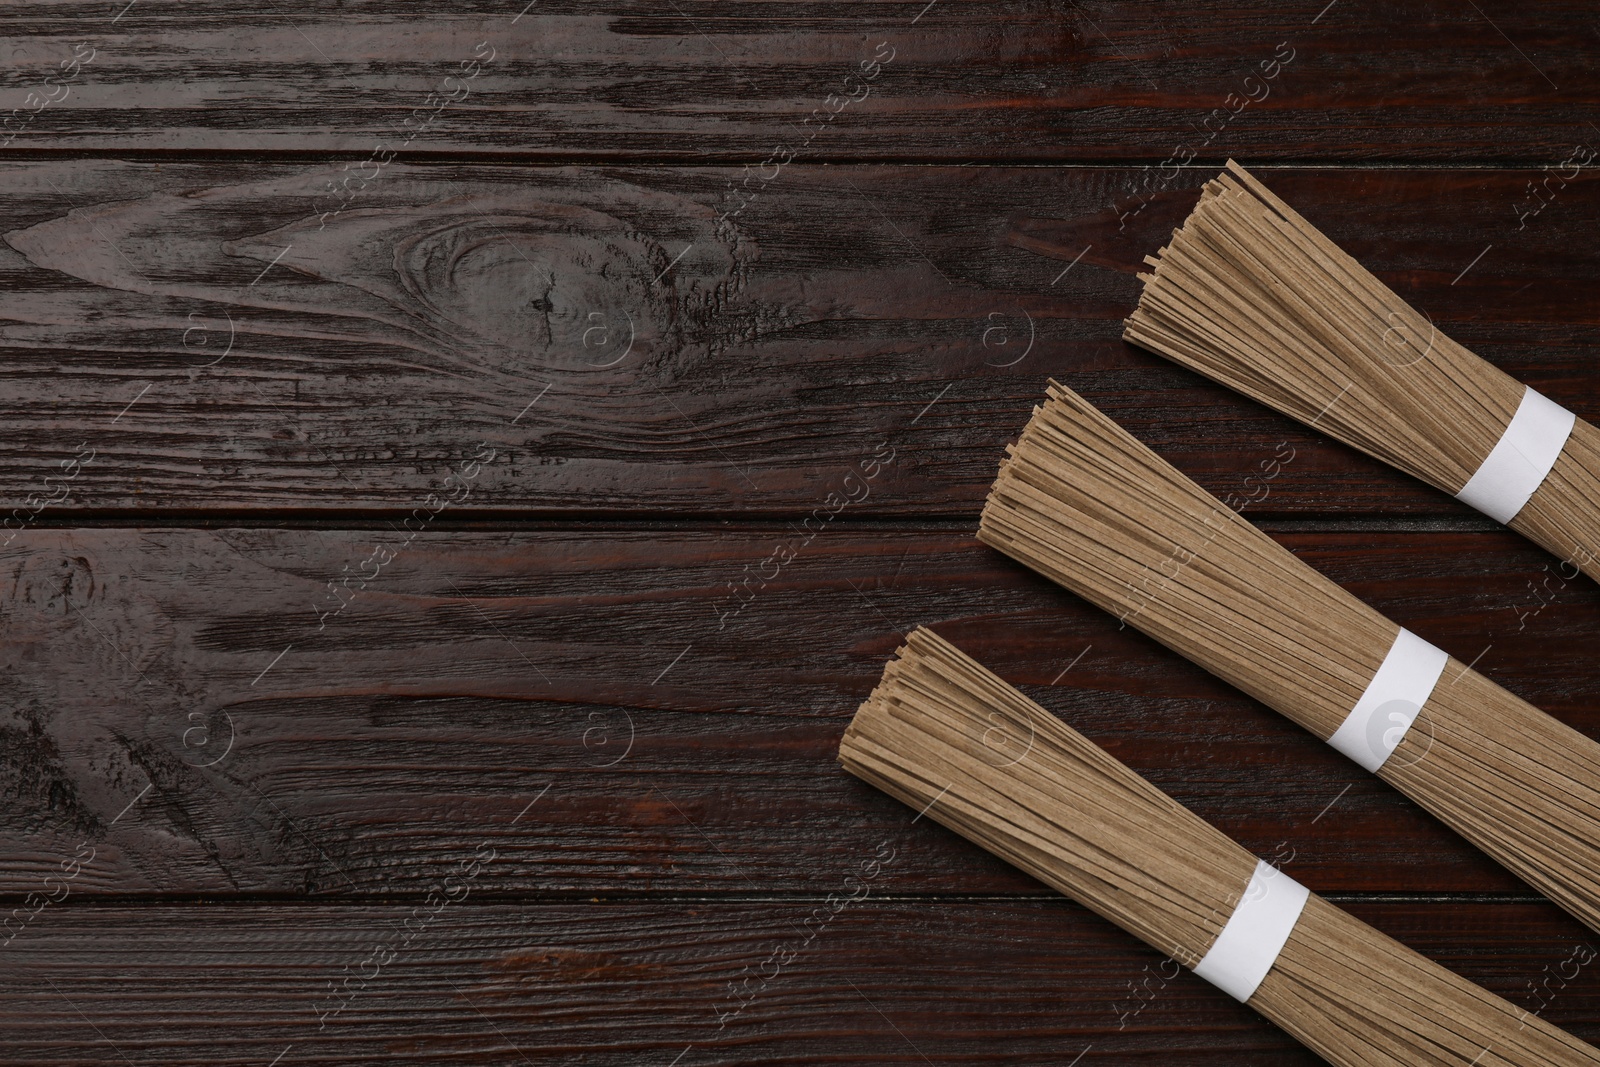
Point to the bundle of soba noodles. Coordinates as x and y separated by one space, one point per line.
1251 294
1085 504
948 737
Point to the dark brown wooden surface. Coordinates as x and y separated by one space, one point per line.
846 308
606 329
604 672
885 979
693 80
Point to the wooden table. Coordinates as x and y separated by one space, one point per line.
411 416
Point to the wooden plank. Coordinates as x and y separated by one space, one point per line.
649 708
706 81
715 982
198 339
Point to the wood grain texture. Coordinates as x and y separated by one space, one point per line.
661 706
637 271
699 81
715 983
205 341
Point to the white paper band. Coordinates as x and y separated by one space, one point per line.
1255 933
1392 701
1523 458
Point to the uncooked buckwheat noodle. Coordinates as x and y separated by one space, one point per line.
1065 811
1252 295
1088 506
